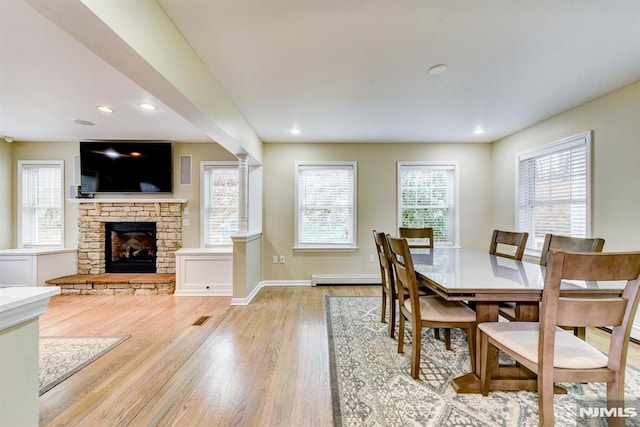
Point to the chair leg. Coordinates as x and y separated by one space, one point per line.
615 398
487 355
545 398
447 339
416 343
384 307
436 333
392 317
580 332
401 333
471 342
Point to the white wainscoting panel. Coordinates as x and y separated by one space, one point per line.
204 272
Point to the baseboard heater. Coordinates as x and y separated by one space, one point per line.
345 279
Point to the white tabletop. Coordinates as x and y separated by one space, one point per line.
471 272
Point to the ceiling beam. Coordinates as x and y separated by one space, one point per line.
138 39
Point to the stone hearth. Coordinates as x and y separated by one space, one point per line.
116 284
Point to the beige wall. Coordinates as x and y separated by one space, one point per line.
615 121
199 152
46 151
6 185
487 185
66 150
376 201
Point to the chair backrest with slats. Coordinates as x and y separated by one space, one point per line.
417 237
591 311
405 273
571 244
514 241
384 259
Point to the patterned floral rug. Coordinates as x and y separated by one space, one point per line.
61 357
371 385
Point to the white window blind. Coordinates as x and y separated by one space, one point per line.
325 205
554 190
427 198
41 203
220 203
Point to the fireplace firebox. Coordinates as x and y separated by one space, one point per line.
130 247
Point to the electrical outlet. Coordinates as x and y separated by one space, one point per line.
275 259
372 258
281 259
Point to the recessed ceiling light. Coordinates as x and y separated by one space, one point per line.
295 131
105 109
437 69
83 122
478 131
146 106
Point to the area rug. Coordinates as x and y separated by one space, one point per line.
61 357
371 385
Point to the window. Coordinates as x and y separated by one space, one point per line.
427 197
40 203
554 191
325 205
220 202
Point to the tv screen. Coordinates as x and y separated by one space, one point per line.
125 167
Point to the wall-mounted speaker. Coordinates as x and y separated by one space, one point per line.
74 191
185 170
76 170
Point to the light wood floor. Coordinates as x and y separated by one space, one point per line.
265 364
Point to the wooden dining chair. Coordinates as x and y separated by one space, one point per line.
556 355
429 311
563 243
570 244
417 237
508 244
388 280
389 289
422 238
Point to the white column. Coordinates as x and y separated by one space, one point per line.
243 196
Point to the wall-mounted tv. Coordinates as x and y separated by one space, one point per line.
125 167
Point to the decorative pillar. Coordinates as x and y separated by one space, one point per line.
243 196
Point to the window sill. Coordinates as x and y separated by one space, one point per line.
325 249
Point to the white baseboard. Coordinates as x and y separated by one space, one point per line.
635 331
197 293
345 279
263 284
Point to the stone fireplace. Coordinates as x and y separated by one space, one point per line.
97 217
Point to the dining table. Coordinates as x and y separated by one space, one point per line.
484 281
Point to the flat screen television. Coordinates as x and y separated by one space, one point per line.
125 167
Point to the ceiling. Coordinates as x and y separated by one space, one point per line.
340 71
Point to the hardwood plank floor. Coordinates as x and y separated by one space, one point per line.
264 364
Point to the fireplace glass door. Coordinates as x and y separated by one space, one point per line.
130 247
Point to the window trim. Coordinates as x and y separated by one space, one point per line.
581 139
203 228
349 247
455 165
21 165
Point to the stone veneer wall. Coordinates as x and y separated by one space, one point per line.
91 239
